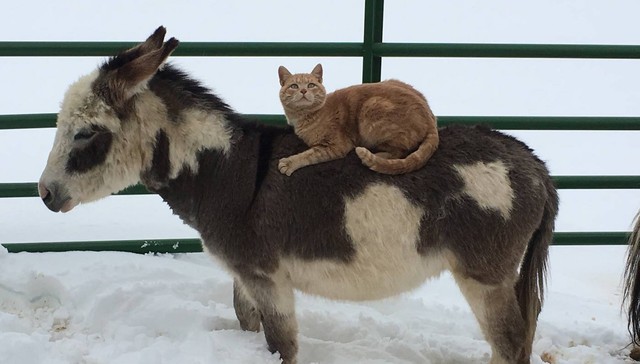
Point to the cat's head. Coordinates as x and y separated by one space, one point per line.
302 91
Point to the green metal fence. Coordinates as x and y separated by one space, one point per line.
371 50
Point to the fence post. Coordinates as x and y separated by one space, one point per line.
373 16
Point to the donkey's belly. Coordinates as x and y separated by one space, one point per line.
383 227
364 279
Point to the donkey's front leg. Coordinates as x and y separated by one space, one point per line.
273 296
245 308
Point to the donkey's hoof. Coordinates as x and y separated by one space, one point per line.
635 353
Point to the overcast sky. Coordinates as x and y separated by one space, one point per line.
454 86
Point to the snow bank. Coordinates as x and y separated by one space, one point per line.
96 308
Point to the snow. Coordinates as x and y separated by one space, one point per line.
112 307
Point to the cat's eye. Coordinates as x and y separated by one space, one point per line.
311 85
294 86
84 134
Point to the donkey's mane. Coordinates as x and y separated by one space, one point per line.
179 91
119 60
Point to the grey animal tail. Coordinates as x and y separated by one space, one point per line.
533 271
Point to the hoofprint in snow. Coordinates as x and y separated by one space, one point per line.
109 307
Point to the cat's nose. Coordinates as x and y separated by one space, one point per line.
303 91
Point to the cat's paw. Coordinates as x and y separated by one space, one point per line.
287 166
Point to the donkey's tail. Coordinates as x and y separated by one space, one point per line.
631 292
533 271
412 162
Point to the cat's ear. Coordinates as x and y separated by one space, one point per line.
317 71
283 74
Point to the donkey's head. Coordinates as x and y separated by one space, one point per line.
99 143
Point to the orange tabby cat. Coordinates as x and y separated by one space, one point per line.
391 118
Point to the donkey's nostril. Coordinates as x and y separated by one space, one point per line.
46 195
45 192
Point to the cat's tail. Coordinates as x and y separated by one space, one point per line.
412 162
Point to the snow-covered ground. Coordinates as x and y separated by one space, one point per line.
109 307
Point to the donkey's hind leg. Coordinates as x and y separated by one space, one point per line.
497 311
245 308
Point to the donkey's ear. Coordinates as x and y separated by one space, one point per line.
152 43
283 74
317 71
145 66
126 80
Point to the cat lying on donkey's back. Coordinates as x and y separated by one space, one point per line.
389 123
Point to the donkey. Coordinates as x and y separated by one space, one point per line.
631 290
483 208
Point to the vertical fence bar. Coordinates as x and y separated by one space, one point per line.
373 17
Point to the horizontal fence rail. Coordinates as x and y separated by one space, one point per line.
470 50
186 49
30 121
194 245
342 49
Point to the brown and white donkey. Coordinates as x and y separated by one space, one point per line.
483 207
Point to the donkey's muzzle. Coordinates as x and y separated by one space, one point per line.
53 196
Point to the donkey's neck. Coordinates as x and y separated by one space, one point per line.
219 190
194 156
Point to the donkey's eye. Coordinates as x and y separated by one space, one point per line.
294 86
84 135
311 85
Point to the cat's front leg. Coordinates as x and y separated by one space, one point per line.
314 155
290 164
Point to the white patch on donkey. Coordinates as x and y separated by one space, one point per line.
488 184
197 130
384 227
